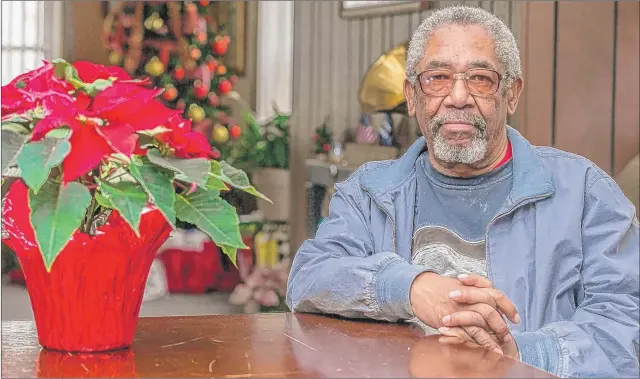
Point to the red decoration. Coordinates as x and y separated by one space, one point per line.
170 93
233 79
200 90
69 304
179 73
211 65
235 132
220 46
326 147
204 3
225 87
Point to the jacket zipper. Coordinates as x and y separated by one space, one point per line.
393 224
522 202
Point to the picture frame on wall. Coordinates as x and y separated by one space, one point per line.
366 9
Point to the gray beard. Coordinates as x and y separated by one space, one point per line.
445 152
473 153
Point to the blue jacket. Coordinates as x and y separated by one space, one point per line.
564 248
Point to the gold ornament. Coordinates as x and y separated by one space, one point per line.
220 134
115 58
154 22
381 88
154 67
196 113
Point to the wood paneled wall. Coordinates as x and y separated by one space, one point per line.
580 65
331 55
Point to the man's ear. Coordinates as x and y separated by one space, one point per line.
513 95
409 95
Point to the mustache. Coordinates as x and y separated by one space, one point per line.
439 120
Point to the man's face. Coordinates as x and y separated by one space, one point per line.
461 127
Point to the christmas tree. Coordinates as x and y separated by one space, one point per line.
181 48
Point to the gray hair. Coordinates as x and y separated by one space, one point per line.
504 41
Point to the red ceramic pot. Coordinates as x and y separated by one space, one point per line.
91 299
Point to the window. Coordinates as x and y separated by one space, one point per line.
31 32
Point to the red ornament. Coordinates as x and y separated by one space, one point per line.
225 86
233 79
213 99
170 93
204 3
220 46
115 261
215 153
235 131
179 73
200 90
326 147
315 137
211 65
181 104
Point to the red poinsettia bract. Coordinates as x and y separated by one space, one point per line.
103 120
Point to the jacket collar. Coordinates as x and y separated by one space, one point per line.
529 178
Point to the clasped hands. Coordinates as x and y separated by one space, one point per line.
465 310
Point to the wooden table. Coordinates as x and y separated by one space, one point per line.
262 345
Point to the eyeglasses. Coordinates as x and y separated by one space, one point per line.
440 82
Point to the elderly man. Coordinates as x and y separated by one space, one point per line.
473 223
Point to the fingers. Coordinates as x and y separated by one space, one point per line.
482 316
455 335
474 281
489 296
483 338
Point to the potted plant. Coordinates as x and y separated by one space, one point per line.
96 172
263 150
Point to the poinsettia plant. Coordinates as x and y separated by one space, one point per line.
88 140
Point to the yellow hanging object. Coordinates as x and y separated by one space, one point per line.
196 113
381 88
220 134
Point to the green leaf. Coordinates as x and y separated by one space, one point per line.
129 199
65 70
194 170
154 131
235 178
11 145
14 127
36 159
103 201
62 132
98 85
158 183
212 215
231 253
56 213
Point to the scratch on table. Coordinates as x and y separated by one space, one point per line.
249 362
211 365
298 341
183 342
84 367
216 340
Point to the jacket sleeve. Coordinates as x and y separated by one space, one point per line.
339 273
602 337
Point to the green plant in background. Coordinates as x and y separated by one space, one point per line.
323 138
262 145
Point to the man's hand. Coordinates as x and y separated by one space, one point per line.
476 336
467 327
470 301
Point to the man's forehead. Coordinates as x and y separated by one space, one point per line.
460 45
